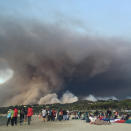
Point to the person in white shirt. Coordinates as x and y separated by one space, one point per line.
44 113
92 119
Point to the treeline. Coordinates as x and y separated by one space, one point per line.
82 105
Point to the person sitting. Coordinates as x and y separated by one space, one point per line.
92 119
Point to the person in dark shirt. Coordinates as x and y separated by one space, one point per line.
109 113
22 115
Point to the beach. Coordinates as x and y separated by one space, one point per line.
71 125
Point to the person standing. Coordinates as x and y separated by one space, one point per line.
109 114
79 114
25 113
49 112
87 117
60 115
15 115
44 113
12 116
29 114
8 117
53 114
21 116
64 115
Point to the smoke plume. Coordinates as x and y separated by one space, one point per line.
93 98
67 97
46 60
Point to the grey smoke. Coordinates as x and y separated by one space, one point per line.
94 99
5 73
49 59
67 97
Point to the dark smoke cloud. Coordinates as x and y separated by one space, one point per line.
48 59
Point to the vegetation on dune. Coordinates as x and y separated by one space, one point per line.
82 105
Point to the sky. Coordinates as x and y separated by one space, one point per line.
50 49
97 17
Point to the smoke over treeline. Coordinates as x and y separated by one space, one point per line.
47 59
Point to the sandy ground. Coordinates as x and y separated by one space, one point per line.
71 125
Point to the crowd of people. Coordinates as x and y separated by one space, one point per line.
52 115
105 117
47 114
25 114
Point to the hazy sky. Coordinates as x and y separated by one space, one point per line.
55 46
99 17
